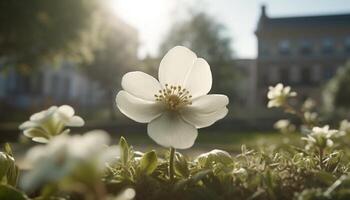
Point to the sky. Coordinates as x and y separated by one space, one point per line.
153 18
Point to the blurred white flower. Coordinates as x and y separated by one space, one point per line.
320 137
64 154
284 126
308 104
127 194
44 125
311 117
344 128
176 105
278 95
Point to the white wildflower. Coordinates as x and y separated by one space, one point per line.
278 95
176 105
127 194
344 128
64 154
284 126
308 104
46 124
320 137
311 117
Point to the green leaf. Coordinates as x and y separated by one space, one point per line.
124 146
215 156
10 193
181 165
200 175
324 177
12 175
4 165
148 162
8 149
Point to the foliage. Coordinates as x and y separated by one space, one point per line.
336 93
108 64
31 31
286 172
84 167
207 37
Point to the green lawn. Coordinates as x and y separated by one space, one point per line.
230 141
206 141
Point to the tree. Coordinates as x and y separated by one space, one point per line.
32 31
205 36
337 92
116 54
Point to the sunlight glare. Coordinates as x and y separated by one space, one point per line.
150 17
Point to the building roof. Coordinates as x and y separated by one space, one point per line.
302 21
311 20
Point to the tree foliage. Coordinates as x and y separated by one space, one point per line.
32 31
206 36
337 92
116 53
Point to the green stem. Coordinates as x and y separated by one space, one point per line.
171 164
321 157
298 113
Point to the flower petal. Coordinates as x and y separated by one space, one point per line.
137 109
201 120
141 85
175 66
40 139
75 121
199 79
208 103
27 124
35 132
66 110
169 130
42 115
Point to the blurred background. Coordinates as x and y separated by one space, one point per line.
75 52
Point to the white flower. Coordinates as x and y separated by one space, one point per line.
176 105
278 95
320 137
64 154
308 104
127 194
344 128
284 126
311 117
44 125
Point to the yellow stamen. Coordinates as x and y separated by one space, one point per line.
174 97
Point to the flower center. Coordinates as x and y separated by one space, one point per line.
174 97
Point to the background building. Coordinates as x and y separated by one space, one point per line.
48 85
303 51
66 82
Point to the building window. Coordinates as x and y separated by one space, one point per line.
284 47
328 73
273 75
56 83
347 44
37 82
263 49
305 47
23 84
67 87
316 74
295 75
306 76
327 45
285 75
